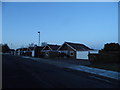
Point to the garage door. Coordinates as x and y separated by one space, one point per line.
82 55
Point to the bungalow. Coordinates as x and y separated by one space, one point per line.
30 51
75 50
12 51
50 50
18 51
22 51
37 51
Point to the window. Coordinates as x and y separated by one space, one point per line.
71 53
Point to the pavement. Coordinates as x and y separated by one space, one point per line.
79 67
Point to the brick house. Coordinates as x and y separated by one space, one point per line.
21 51
30 51
12 51
37 50
34 51
50 50
75 50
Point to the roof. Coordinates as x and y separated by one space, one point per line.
21 49
53 47
31 48
12 49
77 46
39 47
24 49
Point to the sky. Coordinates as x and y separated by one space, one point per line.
91 23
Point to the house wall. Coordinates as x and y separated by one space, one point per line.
37 52
18 52
33 53
28 53
12 52
68 51
45 53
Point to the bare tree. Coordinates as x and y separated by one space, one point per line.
43 43
32 45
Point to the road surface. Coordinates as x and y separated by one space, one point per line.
18 72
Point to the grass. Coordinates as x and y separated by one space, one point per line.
112 66
109 66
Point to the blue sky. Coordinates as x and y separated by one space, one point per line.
89 23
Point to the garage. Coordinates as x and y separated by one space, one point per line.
84 54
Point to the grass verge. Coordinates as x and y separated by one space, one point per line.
111 66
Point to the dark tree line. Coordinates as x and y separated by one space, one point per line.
109 54
4 48
111 47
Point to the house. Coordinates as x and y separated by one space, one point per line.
12 51
75 50
22 51
28 51
18 51
37 51
50 50
31 51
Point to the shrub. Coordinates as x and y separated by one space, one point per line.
110 54
111 47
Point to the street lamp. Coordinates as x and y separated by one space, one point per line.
39 39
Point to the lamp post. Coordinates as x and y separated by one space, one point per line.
39 39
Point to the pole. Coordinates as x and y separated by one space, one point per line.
39 43
39 39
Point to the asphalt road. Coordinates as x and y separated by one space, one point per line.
18 72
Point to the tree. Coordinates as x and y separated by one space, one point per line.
32 45
5 48
111 47
0 47
44 44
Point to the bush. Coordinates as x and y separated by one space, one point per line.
111 47
103 58
109 54
5 48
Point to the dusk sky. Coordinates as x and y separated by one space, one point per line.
91 23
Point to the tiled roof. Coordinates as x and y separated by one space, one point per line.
24 49
53 47
21 49
31 48
77 46
12 49
39 47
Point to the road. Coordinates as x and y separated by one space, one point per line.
18 72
